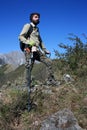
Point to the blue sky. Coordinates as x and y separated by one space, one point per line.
58 18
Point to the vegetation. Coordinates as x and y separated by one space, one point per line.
74 54
46 100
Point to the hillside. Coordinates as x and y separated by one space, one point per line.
46 100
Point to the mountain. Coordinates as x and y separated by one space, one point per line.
15 58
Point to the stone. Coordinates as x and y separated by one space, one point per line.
62 120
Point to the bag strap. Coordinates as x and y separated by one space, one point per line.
29 31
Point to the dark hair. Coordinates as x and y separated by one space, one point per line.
32 14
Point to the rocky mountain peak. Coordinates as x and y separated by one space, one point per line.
15 58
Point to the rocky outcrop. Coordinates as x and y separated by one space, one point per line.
62 120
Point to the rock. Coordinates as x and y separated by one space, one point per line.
67 78
62 120
85 101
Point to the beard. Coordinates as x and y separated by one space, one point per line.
36 22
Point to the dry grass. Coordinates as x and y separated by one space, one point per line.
65 96
46 101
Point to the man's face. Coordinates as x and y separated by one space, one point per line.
35 19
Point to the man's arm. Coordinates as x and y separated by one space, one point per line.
43 47
22 36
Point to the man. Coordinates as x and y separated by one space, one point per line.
34 45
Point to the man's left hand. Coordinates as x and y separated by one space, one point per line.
47 52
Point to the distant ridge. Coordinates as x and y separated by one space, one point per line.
15 58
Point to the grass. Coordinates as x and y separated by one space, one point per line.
14 101
15 112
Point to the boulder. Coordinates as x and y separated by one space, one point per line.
62 120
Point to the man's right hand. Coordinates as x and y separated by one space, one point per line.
27 50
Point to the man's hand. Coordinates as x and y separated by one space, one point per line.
47 52
27 50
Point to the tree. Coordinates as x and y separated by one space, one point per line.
74 51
